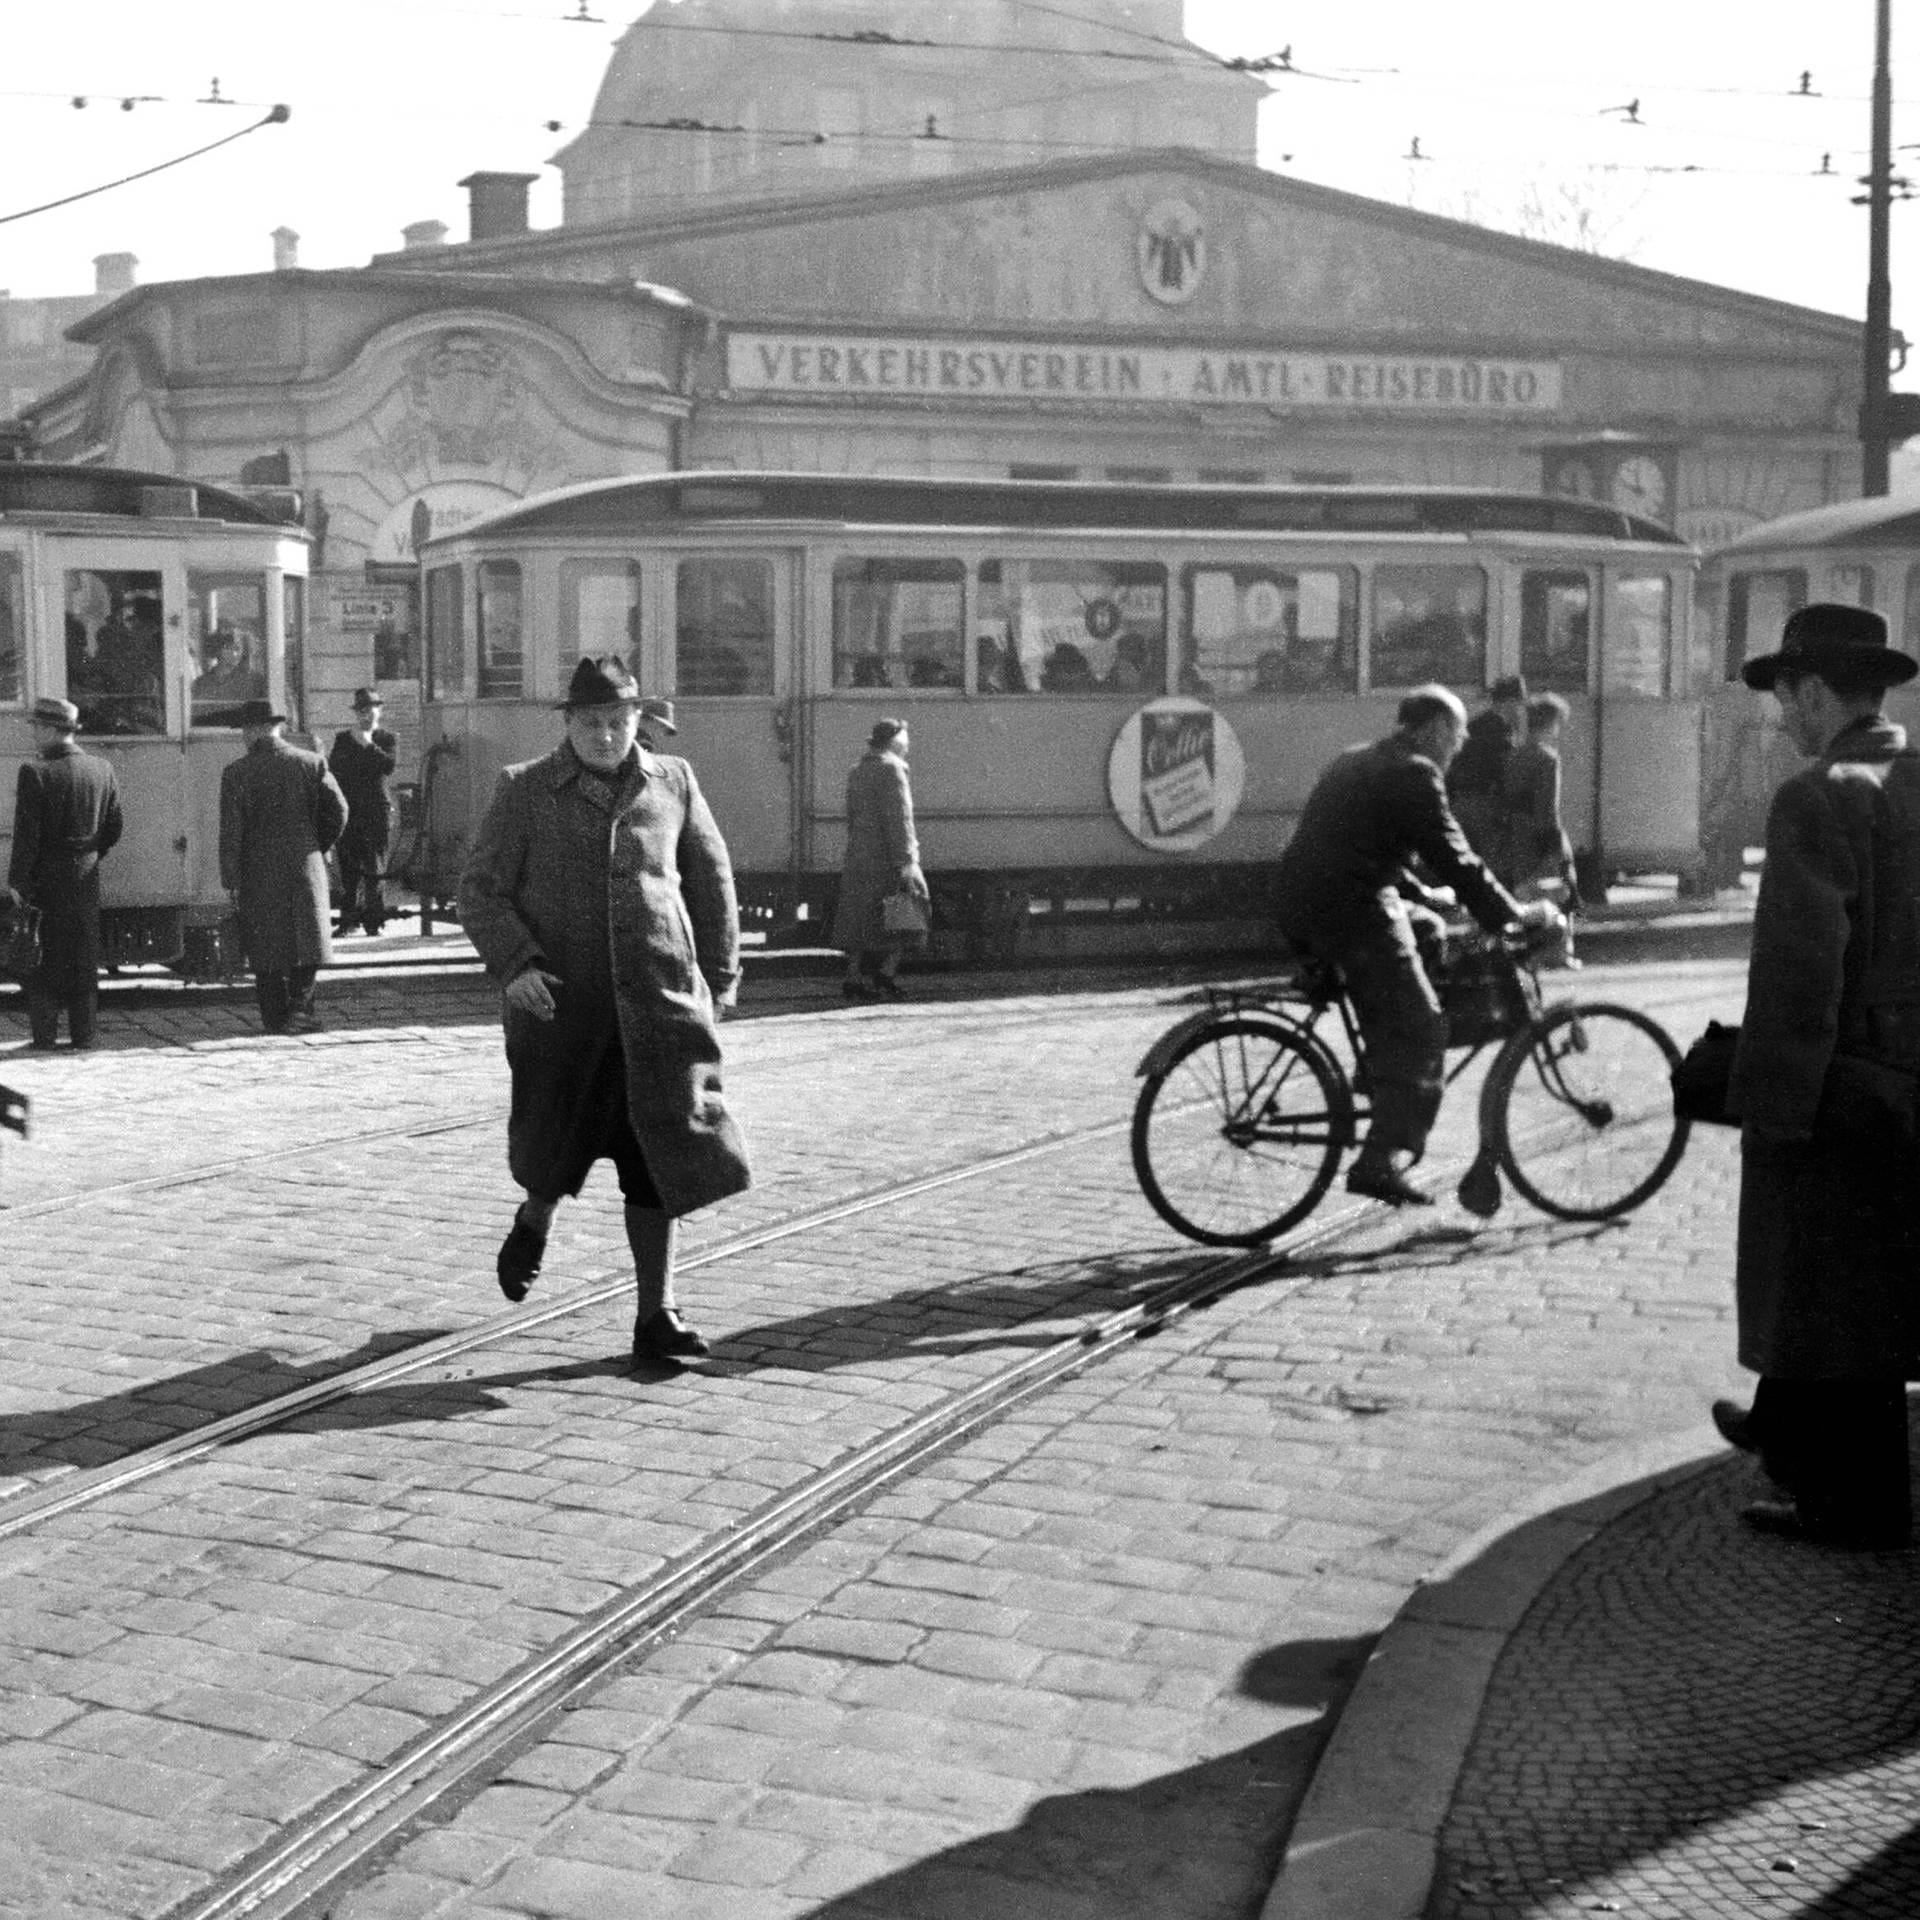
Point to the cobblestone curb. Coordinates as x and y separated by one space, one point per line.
1366 1842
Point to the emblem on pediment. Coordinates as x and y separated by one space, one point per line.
1171 252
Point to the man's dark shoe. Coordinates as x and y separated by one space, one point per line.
665 1336
1386 1183
519 1260
1783 1520
1735 1426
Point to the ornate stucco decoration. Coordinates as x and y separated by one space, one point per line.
1170 250
464 399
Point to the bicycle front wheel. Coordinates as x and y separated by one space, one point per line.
1238 1136
1582 1114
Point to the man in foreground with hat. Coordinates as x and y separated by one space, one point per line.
280 810
66 818
600 896
1825 1082
362 761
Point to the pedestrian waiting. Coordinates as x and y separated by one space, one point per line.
362 761
600 896
883 913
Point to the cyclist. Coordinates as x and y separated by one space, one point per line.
1346 892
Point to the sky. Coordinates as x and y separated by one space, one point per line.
1521 114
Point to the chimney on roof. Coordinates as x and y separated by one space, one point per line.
113 272
286 249
497 204
423 234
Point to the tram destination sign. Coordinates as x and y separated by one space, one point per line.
1097 374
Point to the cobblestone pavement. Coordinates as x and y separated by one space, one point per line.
1080 1665
1693 1723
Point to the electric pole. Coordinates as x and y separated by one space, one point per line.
1875 424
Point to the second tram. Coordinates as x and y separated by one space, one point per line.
1119 694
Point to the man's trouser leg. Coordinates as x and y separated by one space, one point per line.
83 1003
1406 1040
44 995
300 989
270 990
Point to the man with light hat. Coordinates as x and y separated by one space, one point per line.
1826 1082
66 818
362 761
600 896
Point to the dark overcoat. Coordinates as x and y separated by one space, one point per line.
280 810
362 773
1477 789
66 815
880 841
1826 1278
625 892
1342 877
1537 843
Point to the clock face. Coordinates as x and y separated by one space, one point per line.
1639 486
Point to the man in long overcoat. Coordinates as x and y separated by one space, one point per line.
600 896
280 810
362 761
66 817
1827 1277
882 859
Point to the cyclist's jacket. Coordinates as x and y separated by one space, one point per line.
1378 808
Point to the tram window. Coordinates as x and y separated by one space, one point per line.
725 626
1259 630
227 644
497 629
897 623
1429 624
1556 630
1072 626
13 626
446 633
1757 607
1638 638
116 651
600 610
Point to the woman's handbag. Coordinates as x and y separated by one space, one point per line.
903 912
1700 1080
19 936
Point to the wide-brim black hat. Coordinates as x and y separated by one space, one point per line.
260 713
601 683
1829 634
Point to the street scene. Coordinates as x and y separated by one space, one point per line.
958 960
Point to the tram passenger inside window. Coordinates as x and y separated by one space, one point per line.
1066 671
229 680
865 670
997 666
1128 673
925 671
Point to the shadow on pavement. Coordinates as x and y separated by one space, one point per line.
1692 1718
1199 1840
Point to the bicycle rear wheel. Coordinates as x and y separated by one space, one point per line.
1239 1134
1581 1109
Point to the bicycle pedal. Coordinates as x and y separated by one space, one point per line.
1479 1190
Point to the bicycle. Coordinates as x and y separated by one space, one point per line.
1247 1109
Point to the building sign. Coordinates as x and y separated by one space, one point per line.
1171 252
441 508
966 369
1175 774
359 609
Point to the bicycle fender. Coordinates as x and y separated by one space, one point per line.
1159 1056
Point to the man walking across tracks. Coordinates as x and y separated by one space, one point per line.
1342 890
362 761
66 818
1825 1079
280 810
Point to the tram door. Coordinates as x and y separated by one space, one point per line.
115 621
728 643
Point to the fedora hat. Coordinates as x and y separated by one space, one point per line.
49 711
601 683
260 713
365 697
1830 634
657 713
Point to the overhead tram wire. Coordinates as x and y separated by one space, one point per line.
278 116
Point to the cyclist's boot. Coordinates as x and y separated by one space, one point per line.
1376 1177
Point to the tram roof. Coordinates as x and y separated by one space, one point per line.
632 503
126 493
1883 521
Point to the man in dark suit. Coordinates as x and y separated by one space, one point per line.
66 817
1342 890
280 810
362 761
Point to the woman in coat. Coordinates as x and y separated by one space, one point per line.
1825 1083
883 858
599 894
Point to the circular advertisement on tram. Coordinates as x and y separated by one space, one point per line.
1175 774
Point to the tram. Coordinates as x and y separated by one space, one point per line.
1119 695
157 606
1863 552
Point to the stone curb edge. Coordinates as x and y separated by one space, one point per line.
1365 1844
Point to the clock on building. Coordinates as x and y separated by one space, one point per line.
1639 485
